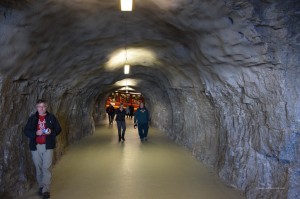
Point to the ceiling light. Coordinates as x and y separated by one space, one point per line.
126 69
126 5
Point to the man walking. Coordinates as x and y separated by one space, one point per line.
111 113
42 129
131 108
120 118
141 119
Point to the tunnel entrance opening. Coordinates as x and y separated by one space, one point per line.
125 96
123 92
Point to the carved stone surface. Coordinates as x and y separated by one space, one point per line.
220 78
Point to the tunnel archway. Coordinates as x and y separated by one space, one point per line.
153 91
226 72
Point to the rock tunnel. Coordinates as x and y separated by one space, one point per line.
221 78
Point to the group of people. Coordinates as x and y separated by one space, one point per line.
42 128
141 120
110 110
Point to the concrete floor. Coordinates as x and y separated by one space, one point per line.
100 167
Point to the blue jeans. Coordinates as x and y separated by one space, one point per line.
143 130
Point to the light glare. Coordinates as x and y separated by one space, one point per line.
135 56
126 5
126 69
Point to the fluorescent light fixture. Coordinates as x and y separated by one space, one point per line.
126 5
126 69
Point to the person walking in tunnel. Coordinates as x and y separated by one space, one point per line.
127 111
42 129
131 108
120 118
111 113
141 119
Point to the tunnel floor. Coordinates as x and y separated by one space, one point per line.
100 167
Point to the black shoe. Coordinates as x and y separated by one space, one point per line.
119 139
46 195
123 138
40 191
145 139
142 140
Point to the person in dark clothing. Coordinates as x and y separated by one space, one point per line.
141 119
111 113
131 109
42 129
120 118
127 111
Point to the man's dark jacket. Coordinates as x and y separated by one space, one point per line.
120 115
31 128
110 110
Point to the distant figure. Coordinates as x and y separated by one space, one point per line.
127 111
120 118
111 113
42 129
141 119
131 108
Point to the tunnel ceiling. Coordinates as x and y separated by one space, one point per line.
221 78
185 42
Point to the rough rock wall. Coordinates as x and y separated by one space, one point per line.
99 113
252 121
255 114
159 106
226 74
195 124
254 94
16 165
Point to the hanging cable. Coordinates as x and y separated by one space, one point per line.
126 66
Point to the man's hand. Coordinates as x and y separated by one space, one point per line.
39 132
48 131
